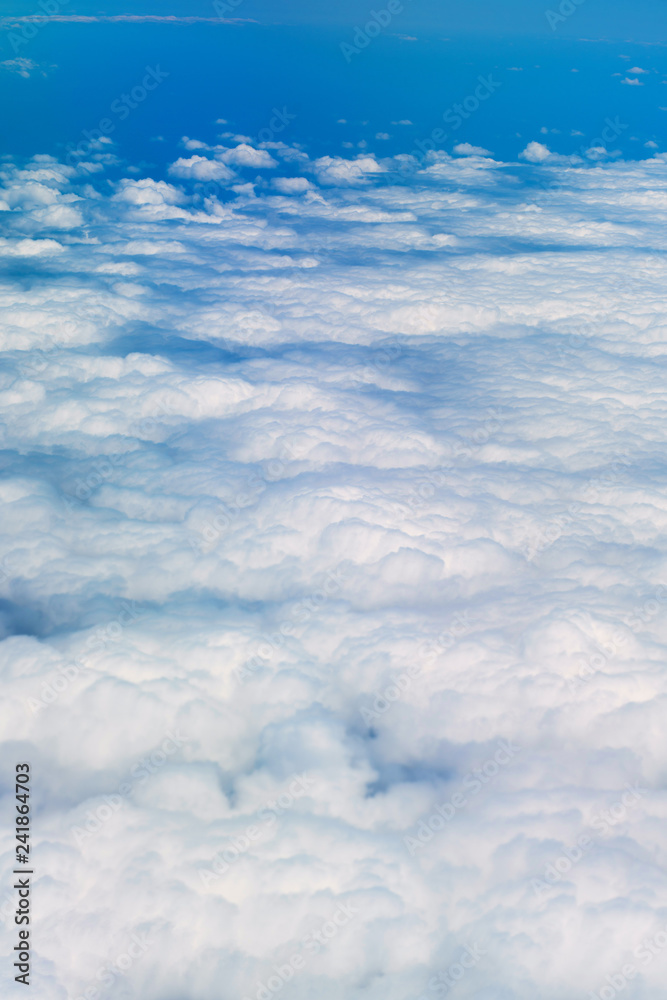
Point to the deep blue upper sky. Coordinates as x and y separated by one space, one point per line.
641 20
559 83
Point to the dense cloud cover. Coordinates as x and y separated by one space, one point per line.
334 574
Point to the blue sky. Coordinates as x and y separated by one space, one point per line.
563 83
641 21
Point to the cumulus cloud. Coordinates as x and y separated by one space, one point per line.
292 185
334 610
200 168
535 152
339 172
244 155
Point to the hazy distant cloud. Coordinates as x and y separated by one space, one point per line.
136 18
465 149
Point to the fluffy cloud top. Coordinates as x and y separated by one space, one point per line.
245 155
201 169
535 152
334 578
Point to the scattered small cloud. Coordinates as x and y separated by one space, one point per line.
515 69
651 145
637 69
632 82
382 135
403 121
576 132
24 67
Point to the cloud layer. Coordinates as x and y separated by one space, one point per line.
334 582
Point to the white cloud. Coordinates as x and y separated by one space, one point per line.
292 185
244 155
632 82
336 171
150 192
465 149
119 18
22 66
30 248
393 448
535 152
201 169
